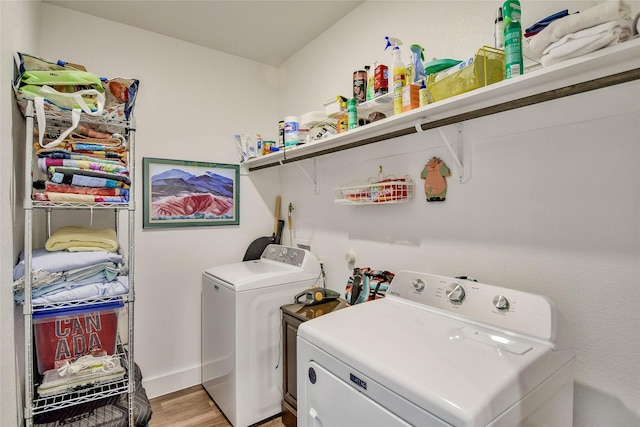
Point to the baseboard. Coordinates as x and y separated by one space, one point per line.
174 381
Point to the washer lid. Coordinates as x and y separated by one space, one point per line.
262 273
460 372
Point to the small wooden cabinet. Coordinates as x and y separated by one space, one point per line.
292 316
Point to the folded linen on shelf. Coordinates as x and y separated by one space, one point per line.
613 10
60 261
98 285
585 41
93 165
76 239
78 198
61 153
97 191
85 178
41 279
100 289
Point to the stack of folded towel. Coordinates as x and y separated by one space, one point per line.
89 166
76 263
578 34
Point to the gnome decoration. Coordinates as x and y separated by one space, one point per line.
435 184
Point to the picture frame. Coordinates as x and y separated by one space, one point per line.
183 193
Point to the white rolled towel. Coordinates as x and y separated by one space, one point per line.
587 40
611 10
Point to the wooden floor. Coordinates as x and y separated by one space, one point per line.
192 407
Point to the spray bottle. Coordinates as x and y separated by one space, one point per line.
398 73
512 38
418 73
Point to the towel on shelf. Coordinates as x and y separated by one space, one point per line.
612 10
75 239
42 259
588 40
78 198
101 288
544 23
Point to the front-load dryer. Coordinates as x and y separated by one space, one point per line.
437 351
241 355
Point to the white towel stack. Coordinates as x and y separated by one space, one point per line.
578 34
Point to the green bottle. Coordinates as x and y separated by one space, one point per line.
352 113
512 38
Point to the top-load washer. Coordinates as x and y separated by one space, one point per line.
437 351
241 356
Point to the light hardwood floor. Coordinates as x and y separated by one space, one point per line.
192 407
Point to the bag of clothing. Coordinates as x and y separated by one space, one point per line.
366 284
60 86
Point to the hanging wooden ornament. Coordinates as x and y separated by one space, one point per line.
435 183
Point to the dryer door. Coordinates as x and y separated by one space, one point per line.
331 402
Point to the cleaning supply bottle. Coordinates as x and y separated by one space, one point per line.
352 113
398 79
499 30
417 58
423 95
343 120
512 38
371 72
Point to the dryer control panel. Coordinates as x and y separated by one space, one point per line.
286 255
509 309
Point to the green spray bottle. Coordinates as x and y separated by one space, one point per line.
512 38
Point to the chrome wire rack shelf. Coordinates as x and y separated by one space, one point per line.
89 393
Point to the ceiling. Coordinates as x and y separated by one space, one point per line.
265 31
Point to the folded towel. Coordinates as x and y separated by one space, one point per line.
586 41
75 239
42 259
613 10
544 22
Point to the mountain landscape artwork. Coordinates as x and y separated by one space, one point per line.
190 193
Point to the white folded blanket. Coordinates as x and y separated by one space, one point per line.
612 10
587 40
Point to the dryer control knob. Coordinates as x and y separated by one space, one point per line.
455 293
501 303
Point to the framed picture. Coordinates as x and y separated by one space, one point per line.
181 193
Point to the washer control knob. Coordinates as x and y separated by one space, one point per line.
455 293
418 285
501 303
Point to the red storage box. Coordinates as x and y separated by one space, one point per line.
69 333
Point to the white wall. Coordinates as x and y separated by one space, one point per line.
18 31
551 207
535 214
191 102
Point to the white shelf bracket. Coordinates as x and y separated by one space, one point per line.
458 153
314 178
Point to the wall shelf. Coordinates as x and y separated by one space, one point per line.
607 67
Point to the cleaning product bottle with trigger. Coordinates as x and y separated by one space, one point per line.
417 56
398 73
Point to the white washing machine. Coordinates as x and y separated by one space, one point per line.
437 351
241 356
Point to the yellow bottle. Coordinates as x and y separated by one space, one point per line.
398 79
